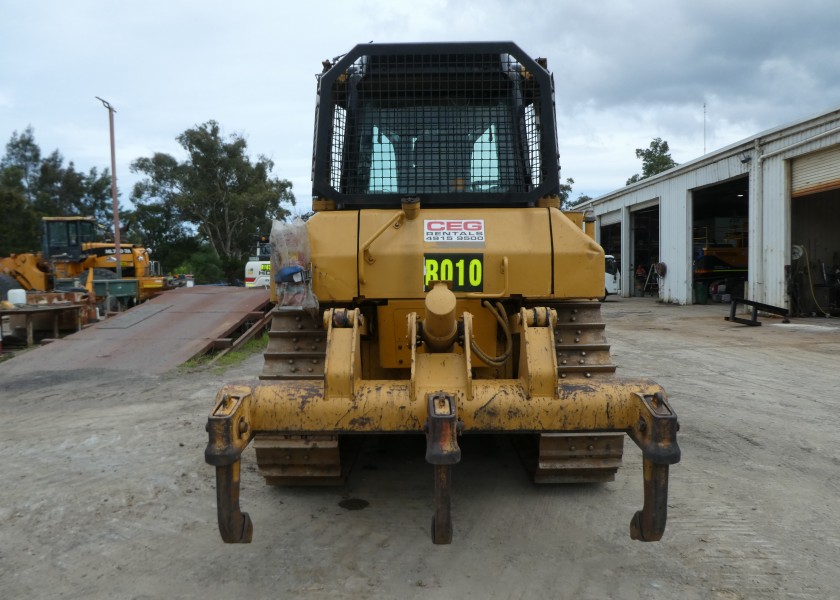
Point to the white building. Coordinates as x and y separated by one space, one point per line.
756 215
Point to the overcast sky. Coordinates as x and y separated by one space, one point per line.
625 72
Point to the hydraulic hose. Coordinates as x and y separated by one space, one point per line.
504 323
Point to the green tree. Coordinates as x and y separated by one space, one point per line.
566 202
62 191
565 193
217 189
19 230
97 201
655 159
24 154
48 188
204 265
581 199
159 228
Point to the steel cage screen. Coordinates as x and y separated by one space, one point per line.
452 124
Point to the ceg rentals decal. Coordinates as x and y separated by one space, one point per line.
458 231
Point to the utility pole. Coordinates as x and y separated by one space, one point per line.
117 250
704 128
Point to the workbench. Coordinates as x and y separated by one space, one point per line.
30 312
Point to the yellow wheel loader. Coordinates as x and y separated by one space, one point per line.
75 252
438 290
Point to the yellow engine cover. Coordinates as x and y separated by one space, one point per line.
484 253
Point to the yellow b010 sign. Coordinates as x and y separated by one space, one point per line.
465 271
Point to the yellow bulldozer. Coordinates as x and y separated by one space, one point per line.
438 290
76 252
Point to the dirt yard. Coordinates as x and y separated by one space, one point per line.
104 492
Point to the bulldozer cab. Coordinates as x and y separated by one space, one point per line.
466 125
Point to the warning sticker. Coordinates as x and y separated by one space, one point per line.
453 230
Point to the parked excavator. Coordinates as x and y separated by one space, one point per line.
438 290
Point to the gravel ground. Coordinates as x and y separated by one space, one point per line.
105 493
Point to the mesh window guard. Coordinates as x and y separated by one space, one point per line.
450 123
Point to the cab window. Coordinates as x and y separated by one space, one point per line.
484 162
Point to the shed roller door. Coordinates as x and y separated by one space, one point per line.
817 172
611 218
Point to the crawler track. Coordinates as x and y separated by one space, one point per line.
296 350
583 355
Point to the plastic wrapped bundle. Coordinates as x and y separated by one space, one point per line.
291 264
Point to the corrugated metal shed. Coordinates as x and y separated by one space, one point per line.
767 160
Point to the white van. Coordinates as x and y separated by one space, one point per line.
612 277
258 268
257 273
